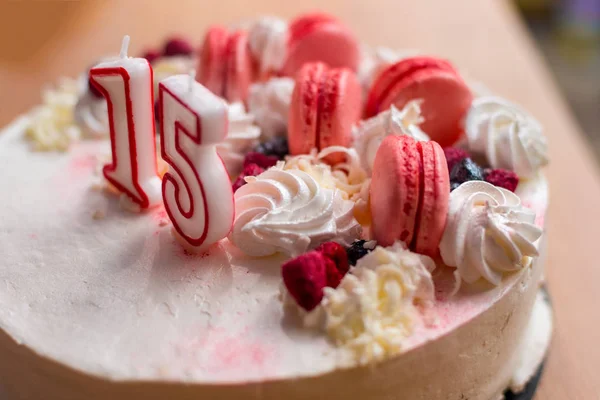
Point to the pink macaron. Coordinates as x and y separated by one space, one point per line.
409 194
225 64
320 37
325 104
446 96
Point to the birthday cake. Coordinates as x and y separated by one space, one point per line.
303 217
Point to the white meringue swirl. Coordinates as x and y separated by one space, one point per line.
508 136
91 115
267 39
488 232
269 102
241 138
369 134
287 211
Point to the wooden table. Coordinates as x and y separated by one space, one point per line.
39 41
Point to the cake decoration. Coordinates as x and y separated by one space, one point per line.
126 83
508 136
488 233
502 178
197 191
445 95
52 126
463 171
267 40
325 104
269 102
369 134
320 37
373 310
91 115
242 137
288 211
409 194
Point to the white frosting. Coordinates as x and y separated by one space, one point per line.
52 126
369 134
269 102
287 211
242 137
267 39
91 115
488 232
507 135
373 311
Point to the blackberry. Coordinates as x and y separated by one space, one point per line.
358 251
463 171
277 146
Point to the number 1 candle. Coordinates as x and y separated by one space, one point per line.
126 83
196 191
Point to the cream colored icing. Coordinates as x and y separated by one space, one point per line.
269 102
242 137
289 212
369 134
52 125
267 39
488 232
372 311
507 135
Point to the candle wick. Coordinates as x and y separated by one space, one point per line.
124 46
192 78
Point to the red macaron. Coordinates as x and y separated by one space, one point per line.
325 104
226 64
409 194
320 37
446 96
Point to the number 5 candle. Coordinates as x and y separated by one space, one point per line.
126 83
196 191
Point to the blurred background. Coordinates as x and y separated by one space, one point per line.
568 34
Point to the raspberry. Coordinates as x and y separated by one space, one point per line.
260 159
151 55
338 267
305 277
358 251
249 170
177 47
503 178
463 171
454 155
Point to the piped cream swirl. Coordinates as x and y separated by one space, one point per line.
369 134
509 137
269 102
288 212
488 232
267 39
91 115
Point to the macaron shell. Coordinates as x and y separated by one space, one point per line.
303 118
396 72
305 23
395 190
340 107
213 60
446 99
328 42
239 71
434 199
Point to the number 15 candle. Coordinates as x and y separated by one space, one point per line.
196 191
126 83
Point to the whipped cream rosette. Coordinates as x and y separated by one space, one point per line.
267 39
269 102
241 138
91 115
507 135
288 211
369 133
488 232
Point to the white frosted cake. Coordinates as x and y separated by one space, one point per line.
98 302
